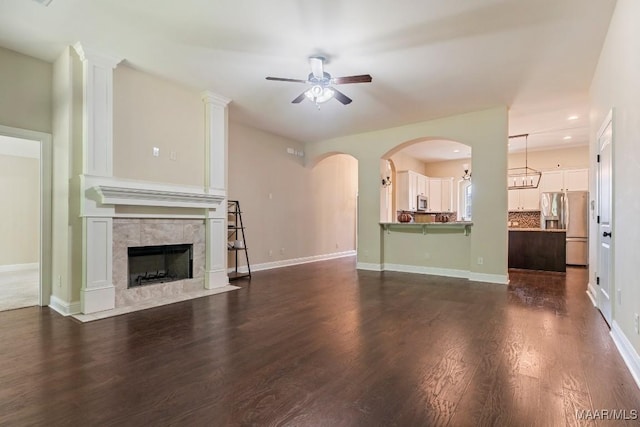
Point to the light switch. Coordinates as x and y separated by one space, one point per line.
156 152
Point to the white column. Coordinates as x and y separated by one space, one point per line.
97 117
216 159
98 292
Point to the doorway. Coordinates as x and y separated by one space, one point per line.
25 216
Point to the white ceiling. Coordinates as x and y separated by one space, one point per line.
428 58
438 150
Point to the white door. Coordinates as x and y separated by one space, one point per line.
605 226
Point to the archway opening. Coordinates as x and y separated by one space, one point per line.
334 204
431 181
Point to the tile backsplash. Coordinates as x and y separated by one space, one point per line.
524 219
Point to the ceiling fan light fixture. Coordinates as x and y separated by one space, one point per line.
321 83
319 94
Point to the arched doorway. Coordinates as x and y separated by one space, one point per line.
432 172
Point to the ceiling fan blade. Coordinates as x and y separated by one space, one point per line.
341 97
281 79
364 78
299 98
317 66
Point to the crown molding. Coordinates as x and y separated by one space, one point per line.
91 55
210 97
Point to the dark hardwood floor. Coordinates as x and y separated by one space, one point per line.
324 345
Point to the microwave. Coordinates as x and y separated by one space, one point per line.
422 204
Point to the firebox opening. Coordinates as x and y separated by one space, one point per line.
159 264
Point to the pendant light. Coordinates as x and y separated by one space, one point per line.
525 177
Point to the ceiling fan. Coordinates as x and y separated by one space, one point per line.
321 83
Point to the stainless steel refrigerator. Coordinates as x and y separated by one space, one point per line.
568 211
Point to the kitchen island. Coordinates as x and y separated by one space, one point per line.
537 249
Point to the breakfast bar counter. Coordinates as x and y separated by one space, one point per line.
429 227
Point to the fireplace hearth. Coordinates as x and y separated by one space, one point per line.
159 264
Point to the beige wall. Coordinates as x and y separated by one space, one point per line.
20 212
616 86
290 211
152 112
25 89
488 240
564 158
404 162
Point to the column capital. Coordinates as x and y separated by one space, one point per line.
89 54
209 97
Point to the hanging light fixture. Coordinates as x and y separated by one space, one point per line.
525 177
467 174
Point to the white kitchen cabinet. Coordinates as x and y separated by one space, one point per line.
440 194
524 199
551 181
564 180
423 185
576 180
407 182
447 195
435 195
530 199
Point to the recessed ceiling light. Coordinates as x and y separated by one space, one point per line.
573 117
566 138
456 151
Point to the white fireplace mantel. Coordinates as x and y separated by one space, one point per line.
110 195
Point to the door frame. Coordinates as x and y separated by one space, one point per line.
45 205
612 289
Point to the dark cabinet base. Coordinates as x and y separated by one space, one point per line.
537 250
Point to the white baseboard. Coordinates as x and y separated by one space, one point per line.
436 271
64 308
501 279
628 353
591 293
368 266
294 261
19 267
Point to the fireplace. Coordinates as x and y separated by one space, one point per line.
159 264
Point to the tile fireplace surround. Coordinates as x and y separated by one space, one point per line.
151 232
119 214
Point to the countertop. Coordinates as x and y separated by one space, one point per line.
429 223
548 230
